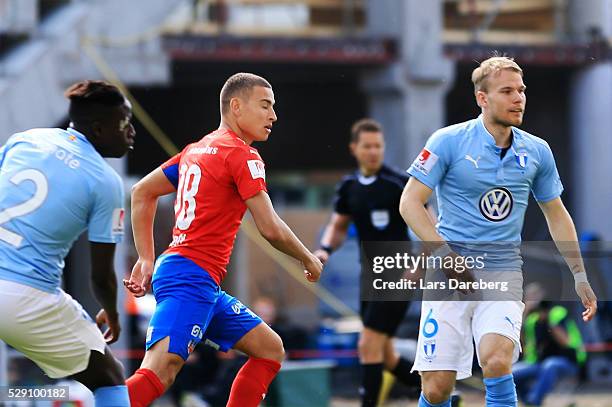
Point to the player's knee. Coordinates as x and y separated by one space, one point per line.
436 388
390 360
368 350
497 366
116 373
277 349
362 345
168 373
371 346
436 395
103 370
272 348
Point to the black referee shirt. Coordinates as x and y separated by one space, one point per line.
373 204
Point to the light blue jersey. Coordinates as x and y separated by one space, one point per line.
482 198
53 186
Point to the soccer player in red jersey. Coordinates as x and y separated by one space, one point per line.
216 180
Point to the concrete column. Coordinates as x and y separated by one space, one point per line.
408 96
589 18
18 16
591 121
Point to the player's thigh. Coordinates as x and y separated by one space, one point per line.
176 328
236 326
186 299
497 331
51 329
103 370
445 338
262 342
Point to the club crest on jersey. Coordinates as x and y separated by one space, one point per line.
521 159
425 161
429 349
496 204
191 346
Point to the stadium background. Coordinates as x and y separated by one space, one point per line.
407 63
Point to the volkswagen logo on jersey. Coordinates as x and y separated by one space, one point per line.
496 204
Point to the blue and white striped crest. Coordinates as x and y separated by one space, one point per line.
521 159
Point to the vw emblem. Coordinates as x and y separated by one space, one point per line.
496 204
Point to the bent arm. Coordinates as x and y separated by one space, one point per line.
274 229
103 277
145 194
412 208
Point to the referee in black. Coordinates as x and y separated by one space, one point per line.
370 198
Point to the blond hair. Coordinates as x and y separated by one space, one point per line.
492 66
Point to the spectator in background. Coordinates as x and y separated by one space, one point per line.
294 337
553 349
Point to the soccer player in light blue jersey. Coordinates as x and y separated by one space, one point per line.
483 171
54 185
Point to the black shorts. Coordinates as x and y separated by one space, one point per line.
383 316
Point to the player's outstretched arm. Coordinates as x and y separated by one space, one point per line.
104 284
333 236
145 194
276 231
563 232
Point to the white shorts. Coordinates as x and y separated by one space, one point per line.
448 330
52 330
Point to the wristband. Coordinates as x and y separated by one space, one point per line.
580 277
327 249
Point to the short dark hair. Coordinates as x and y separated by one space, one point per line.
240 83
89 96
362 125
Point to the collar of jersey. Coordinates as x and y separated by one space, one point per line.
232 134
363 180
78 135
489 140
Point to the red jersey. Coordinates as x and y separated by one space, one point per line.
213 178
